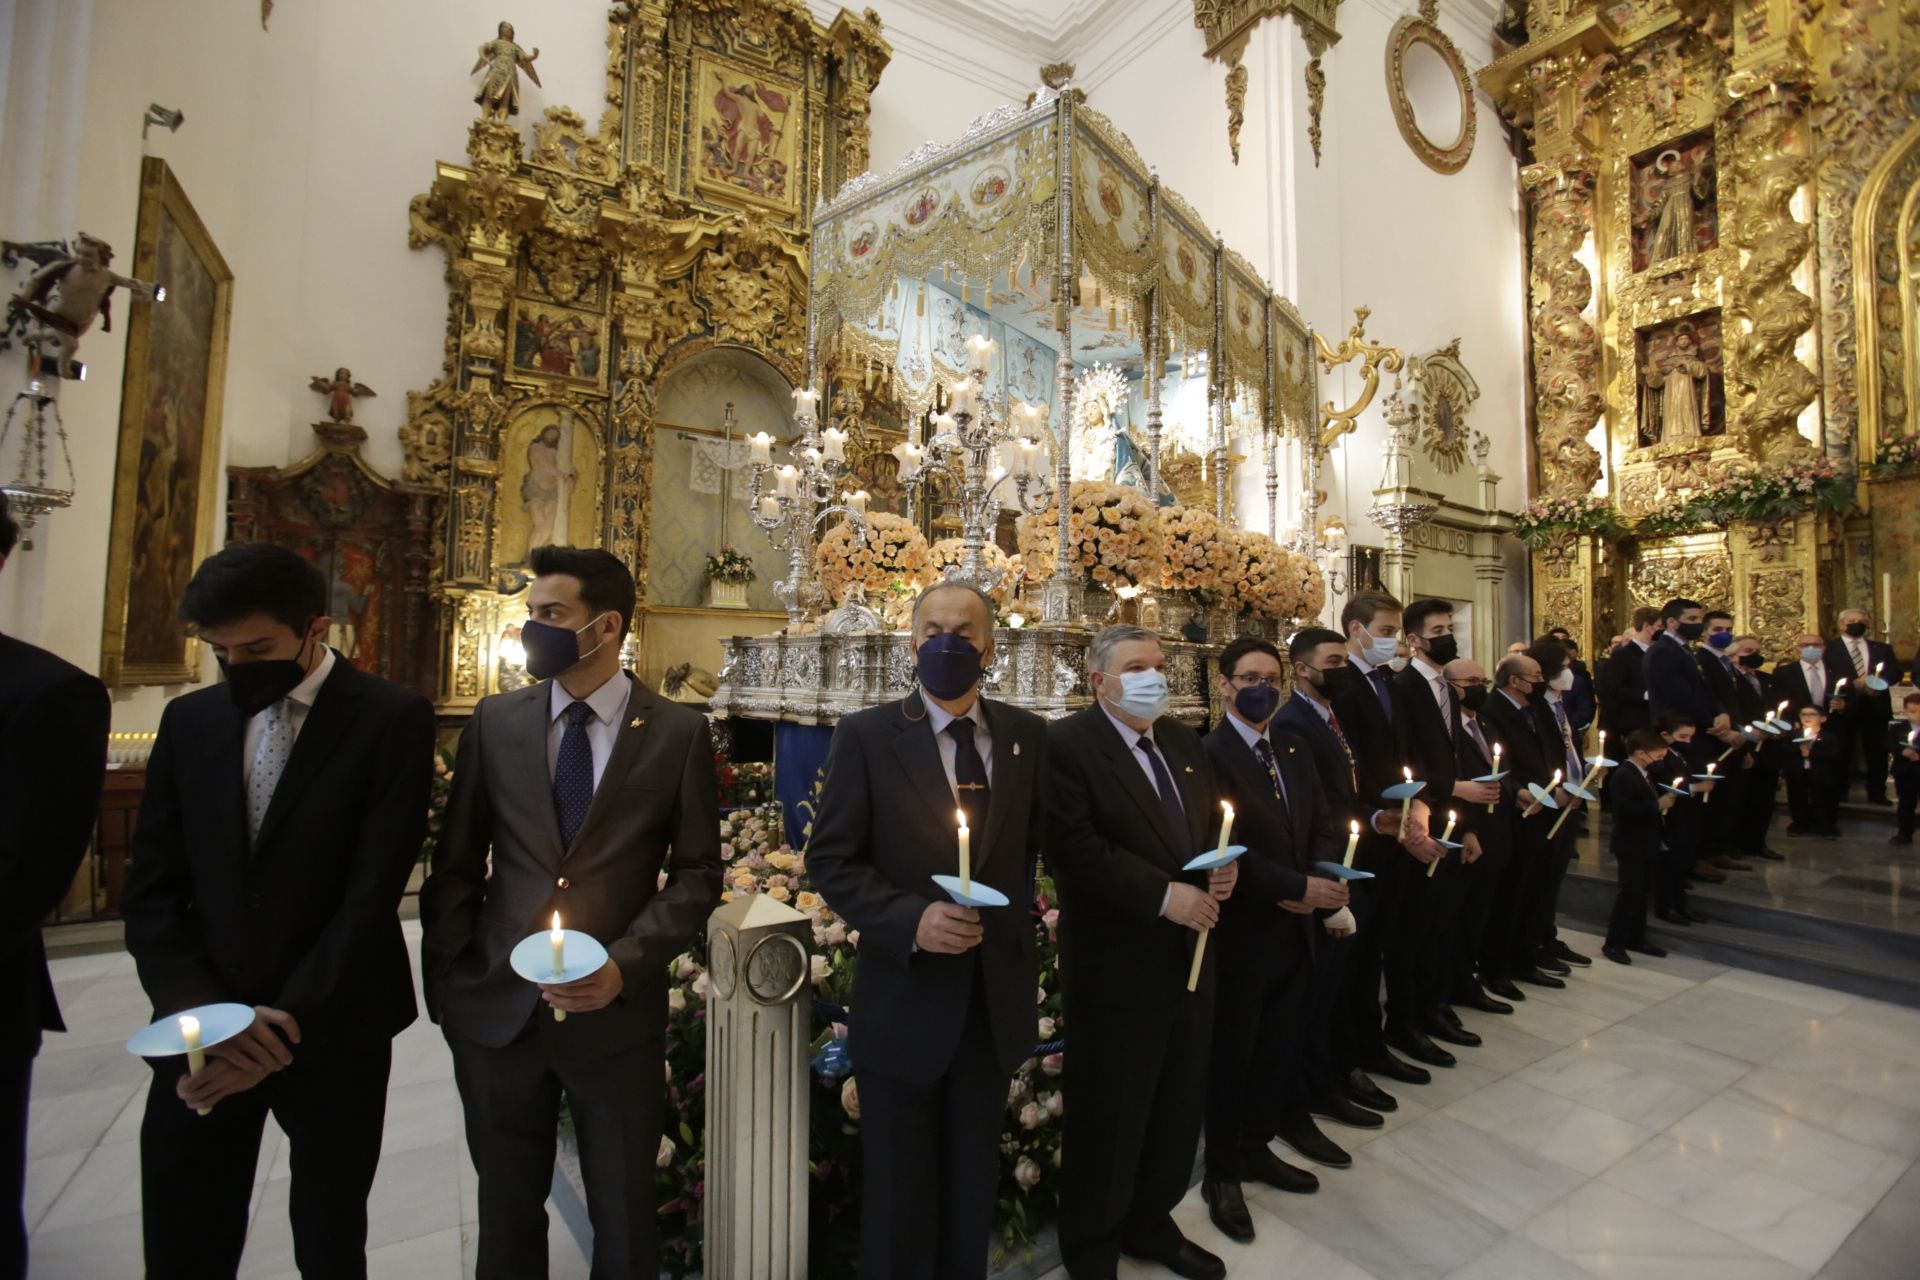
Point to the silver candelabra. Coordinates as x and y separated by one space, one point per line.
807 492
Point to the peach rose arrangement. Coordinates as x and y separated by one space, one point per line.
1113 536
1262 583
891 563
1198 555
949 551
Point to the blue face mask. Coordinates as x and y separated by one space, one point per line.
1143 694
1257 704
1721 639
552 650
1380 649
948 665
1812 653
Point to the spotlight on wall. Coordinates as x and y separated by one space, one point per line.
157 114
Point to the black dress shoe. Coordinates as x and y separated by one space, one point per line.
1185 1259
1547 962
1344 1110
1361 1090
1535 977
1504 988
1616 954
1227 1207
1386 1064
1446 1032
1672 917
1303 1135
1646 948
1486 1003
1261 1165
1795 829
1416 1045
1566 954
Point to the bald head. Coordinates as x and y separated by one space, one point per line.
1464 671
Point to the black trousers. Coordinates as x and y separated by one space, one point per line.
1756 816
196 1172
1259 1039
1416 977
16 1084
1679 849
1906 786
1627 926
932 1155
1813 793
1479 887
1545 906
1136 1080
1865 726
511 1100
1320 1069
1724 811
1360 1030
1504 950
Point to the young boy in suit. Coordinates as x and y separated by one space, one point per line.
1638 805
1680 825
1903 745
1819 777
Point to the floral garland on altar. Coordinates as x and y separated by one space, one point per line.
891 561
1549 519
950 551
1781 491
1897 456
1263 582
1199 556
1113 533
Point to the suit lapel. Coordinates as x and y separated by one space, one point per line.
629 734
527 721
229 779
1186 779
1128 774
326 724
919 755
1009 771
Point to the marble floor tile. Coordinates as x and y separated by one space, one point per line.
1871 1122
1872 1038
1741 1026
46 1179
1610 1234
1638 1097
1552 1024
1789 1222
105 1186
1639 980
1555 1128
1514 1258
91 1251
1387 1223
1665 1056
1593 999
1882 1245
1506 1042
1817 1058
72 1121
1770 1143
1501 1181
92 1067
1449 1084
421 1115
1821 1000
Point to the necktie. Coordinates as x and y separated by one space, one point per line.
269 762
1264 750
1169 794
1859 657
573 773
1473 731
1380 686
1566 741
1816 685
1353 770
969 771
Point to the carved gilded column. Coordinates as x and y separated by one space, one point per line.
1566 348
859 54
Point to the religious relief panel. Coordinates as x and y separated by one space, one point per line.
1698 569
1675 210
748 131
1682 381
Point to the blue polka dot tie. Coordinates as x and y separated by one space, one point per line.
573 773
269 762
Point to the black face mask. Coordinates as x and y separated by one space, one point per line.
1442 649
1752 661
948 665
1691 631
255 686
1257 704
1334 682
1856 629
1474 697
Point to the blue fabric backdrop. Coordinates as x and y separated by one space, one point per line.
799 762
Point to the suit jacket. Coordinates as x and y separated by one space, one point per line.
53 754
1494 829
1332 768
656 809
306 921
1114 855
1581 698
1527 758
1838 659
1634 806
1379 743
1283 838
1901 736
1674 682
1433 751
1736 698
884 828
1622 692
1790 686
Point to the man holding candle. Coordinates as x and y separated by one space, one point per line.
572 795
1130 800
943 997
1270 935
1864 729
1489 840
1555 722
1637 809
1509 954
1735 757
1903 744
53 755
283 812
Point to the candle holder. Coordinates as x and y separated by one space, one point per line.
983 453
807 492
532 959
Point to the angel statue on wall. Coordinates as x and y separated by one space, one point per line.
1677 185
341 391
1676 393
499 95
58 303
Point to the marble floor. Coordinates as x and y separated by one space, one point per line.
1670 1119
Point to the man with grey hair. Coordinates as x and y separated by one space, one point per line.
1131 799
944 992
1870 710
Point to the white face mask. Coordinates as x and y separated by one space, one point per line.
1379 650
1143 694
1562 682
1397 663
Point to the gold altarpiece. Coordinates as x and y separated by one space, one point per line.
1721 249
584 268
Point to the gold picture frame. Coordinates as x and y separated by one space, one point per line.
746 136
167 470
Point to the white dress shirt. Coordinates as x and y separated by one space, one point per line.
1251 736
982 741
299 702
609 703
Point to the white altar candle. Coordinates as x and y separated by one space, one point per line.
960 397
1445 835
1496 772
769 507
1029 456
1406 802
835 441
786 479
1353 842
979 353
196 1056
760 448
966 853
1226 826
942 423
804 398
558 937
858 500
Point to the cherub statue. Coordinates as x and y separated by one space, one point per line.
499 95
341 391
56 306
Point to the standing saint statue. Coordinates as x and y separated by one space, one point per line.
1680 389
1678 186
548 485
499 95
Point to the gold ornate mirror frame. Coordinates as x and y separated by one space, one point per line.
1421 30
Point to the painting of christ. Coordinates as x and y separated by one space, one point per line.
749 131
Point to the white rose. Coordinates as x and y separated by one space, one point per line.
1032 1116
821 969
676 1000
665 1157
1026 1172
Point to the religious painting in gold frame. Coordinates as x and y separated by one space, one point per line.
550 484
166 474
746 139
560 343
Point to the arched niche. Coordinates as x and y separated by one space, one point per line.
700 483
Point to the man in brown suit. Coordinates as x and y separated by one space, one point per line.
585 787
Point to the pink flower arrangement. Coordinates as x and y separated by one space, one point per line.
1198 555
1113 532
892 558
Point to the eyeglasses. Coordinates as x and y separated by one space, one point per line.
1272 682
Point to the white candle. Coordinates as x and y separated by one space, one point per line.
979 353
558 937
1226 826
760 448
858 500
1496 773
1445 835
835 441
908 456
966 853
804 399
196 1056
1353 842
812 456
769 507
960 399
1886 603
786 480
1406 802
1029 456
942 423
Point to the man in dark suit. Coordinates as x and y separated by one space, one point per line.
585 786
1637 808
1869 712
1621 688
53 754
1715 660
1269 939
1340 1089
1810 680
1130 800
1432 901
1510 954
1754 705
1378 723
1554 723
1674 682
283 813
944 993
1488 837
1581 700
